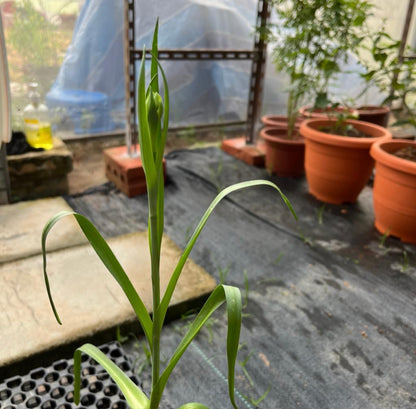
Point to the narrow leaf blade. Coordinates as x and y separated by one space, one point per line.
176 274
135 397
221 294
110 261
144 132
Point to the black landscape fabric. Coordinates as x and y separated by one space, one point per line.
329 317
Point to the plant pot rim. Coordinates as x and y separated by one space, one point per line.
382 151
309 130
270 134
279 119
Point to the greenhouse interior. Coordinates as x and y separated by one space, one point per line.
145 145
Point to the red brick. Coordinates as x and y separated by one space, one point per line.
251 154
126 172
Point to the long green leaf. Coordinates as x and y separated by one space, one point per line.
108 258
175 276
135 397
153 67
193 405
144 132
221 294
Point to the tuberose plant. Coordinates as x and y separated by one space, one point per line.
153 114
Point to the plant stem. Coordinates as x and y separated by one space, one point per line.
155 270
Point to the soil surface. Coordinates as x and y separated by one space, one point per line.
347 130
408 153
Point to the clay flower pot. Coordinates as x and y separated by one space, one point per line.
375 114
338 167
278 120
284 156
394 192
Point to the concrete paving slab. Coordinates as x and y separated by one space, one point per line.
87 297
22 224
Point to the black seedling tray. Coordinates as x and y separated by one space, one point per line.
51 387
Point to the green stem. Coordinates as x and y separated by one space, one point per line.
155 269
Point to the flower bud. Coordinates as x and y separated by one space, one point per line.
154 105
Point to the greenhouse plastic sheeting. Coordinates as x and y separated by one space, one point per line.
200 91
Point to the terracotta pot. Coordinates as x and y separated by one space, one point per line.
284 157
394 192
328 113
375 114
278 120
338 167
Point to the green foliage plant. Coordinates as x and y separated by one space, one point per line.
153 114
312 39
31 35
393 76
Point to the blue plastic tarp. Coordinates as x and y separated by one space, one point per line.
200 91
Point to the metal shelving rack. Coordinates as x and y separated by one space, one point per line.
257 56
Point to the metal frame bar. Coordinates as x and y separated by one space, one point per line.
130 77
257 71
405 33
197 55
257 56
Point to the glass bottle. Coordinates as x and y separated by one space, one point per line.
37 125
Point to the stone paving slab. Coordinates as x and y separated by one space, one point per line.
86 295
22 224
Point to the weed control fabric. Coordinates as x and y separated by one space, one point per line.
329 304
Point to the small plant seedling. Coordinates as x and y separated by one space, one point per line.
246 290
121 338
306 240
222 274
321 213
243 367
384 238
405 263
256 402
145 360
153 115
278 258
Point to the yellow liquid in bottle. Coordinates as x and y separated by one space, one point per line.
39 135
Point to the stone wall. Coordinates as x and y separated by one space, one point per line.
40 174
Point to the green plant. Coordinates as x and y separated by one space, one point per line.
312 39
383 238
256 402
393 76
31 35
405 263
321 213
153 114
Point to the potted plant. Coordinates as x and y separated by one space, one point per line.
283 143
284 146
394 191
337 159
153 115
392 75
329 31
309 50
